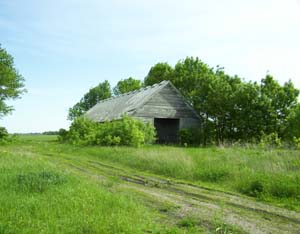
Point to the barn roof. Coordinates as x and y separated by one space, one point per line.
127 103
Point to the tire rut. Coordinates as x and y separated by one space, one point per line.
250 215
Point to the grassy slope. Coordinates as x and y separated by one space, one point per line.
59 201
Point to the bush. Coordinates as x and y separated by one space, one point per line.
3 133
252 187
62 135
270 141
189 136
5 137
296 142
126 131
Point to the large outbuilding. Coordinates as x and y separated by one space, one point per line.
161 104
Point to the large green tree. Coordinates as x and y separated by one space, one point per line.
94 95
158 73
11 82
127 85
230 108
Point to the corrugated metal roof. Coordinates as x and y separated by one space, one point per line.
114 107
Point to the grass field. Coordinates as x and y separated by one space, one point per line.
47 187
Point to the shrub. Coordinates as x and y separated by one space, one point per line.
5 137
62 135
271 140
189 136
296 142
3 133
126 131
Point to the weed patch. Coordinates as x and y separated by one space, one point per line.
187 222
38 182
252 187
285 187
213 174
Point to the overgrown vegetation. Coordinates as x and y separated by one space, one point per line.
270 175
5 137
126 131
58 188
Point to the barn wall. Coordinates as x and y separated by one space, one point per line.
189 123
145 119
167 103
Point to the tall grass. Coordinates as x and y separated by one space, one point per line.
37 197
271 175
268 175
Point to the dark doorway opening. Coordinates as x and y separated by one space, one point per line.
167 130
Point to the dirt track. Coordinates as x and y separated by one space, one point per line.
187 200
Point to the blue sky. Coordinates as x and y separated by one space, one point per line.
63 48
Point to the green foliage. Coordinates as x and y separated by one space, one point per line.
158 73
293 123
230 108
190 136
270 141
127 85
50 133
5 137
126 131
62 135
3 133
91 98
11 82
296 142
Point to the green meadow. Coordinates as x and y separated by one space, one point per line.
48 187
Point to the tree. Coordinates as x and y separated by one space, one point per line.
127 85
293 123
91 98
278 101
192 78
158 73
11 82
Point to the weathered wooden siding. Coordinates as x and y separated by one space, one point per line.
165 104
189 123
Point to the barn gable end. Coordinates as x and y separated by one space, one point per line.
166 103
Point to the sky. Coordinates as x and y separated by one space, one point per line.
64 47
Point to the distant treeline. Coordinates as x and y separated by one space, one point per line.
231 109
50 133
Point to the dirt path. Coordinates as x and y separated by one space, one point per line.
210 208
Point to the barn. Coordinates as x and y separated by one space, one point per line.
161 104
